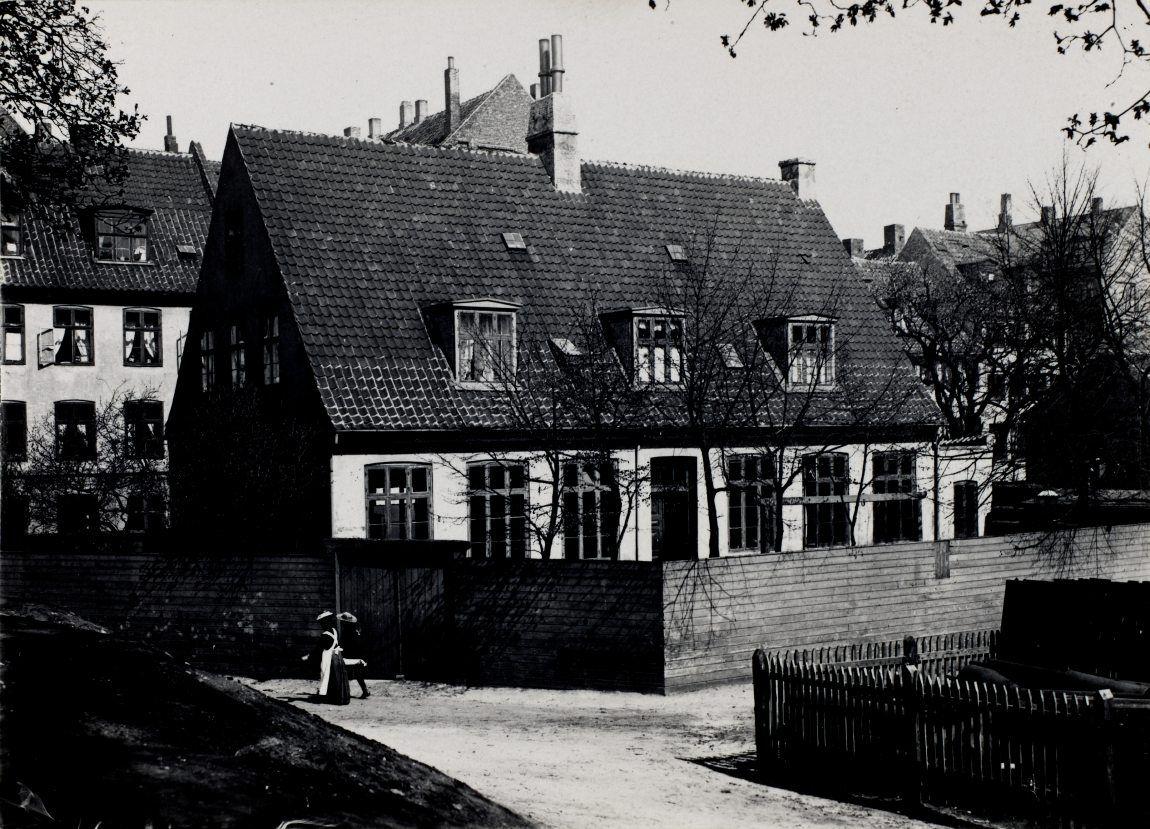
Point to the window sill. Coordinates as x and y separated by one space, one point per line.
820 389
144 365
13 256
471 385
14 363
73 365
145 264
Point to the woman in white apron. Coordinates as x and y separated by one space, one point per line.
333 686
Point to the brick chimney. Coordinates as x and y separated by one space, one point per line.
171 145
451 95
955 218
1005 219
854 247
800 174
1047 215
1096 204
375 128
893 238
406 114
351 132
551 131
420 110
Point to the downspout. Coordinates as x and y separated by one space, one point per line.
937 495
331 541
638 499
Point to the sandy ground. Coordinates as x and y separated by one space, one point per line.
574 759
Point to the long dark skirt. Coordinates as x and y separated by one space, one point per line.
338 692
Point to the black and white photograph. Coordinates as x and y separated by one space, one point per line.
639 414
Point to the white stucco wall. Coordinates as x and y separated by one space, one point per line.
450 508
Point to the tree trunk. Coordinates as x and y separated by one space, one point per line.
712 507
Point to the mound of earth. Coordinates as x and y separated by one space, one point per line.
99 730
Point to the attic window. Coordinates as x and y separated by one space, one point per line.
677 253
485 345
566 347
514 241
731 358
658 349
186 251
11 234
807 257
811 353
121 236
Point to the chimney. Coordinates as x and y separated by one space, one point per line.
420 110
406 114
893 238
551 131
556 63
854 247
375 128
955 214
1096 204
1047 215
171 145
800 174
1005 219
451 95
544 67
351 132
534 91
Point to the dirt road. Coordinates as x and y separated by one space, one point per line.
575 759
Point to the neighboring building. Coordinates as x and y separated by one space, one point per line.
96 303
353 282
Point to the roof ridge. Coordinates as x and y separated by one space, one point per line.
655 168
161 153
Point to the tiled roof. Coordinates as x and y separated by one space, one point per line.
369 235
959 247
496 119
59 252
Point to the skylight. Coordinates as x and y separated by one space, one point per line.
514 241
677 253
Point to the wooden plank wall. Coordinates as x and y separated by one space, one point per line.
718 611
246 615
557 624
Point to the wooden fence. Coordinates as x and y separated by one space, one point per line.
941 654
1075 759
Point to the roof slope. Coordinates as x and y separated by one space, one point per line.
369 235
494 120
59 253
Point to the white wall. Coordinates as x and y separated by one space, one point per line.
40 388
449 492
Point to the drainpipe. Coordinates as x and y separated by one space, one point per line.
937 495
638 498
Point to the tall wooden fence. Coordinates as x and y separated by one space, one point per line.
1079 759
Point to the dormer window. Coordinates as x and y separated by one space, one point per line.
658 348
121 236
811 353
11 234
484 343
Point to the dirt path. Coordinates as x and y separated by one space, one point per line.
574 759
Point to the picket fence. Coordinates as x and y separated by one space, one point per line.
915 733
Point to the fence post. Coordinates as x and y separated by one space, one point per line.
1108 735
911 773
762 689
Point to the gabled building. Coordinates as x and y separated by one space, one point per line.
96 305
371 288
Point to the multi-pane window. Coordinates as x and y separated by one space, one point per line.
77 513
810 354
898 515
271 349
826 517
658 349
591 507
75 429
142 337
11 234
207 360
399 501
751 502
146 512
486 345
13 343
121 236
966 509
72 330
144 428
237 356
498 509
14 425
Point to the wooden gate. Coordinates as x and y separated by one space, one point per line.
396 590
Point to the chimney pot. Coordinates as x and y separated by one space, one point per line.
451 95
406 114
894 237
556 63
351 132
535 91
420 110
1096 204
854 247
544 67
1047 215
955 218
374 127
800 174
171 145
1005 217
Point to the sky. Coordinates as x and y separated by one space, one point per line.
896 114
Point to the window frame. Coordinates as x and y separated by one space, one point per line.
584 484
833 503
92 445
144 329
22 328
670 320
237 356
73 327
6 422
512 338
512 546
824 353
406 497
151 447
75 498
740 487
270 346
973 517
14 227
112 229
903 501
141 510
207 360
